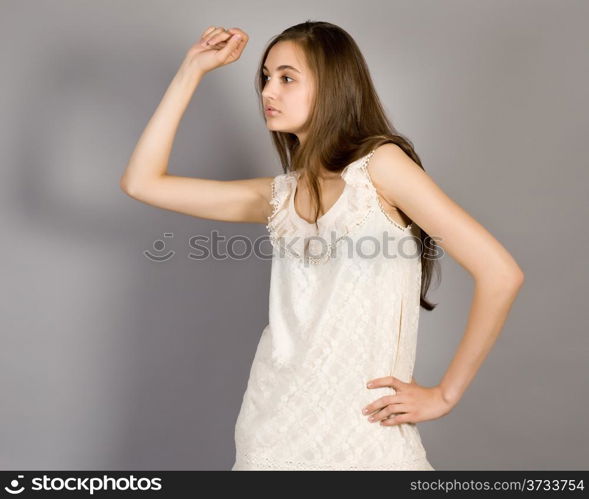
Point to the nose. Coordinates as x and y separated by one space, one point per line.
268 96
268 92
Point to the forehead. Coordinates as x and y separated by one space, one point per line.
285 53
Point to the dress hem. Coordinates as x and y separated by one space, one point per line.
261 464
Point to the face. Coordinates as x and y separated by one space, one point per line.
289 90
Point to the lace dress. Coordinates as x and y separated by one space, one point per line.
343 309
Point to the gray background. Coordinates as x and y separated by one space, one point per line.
110 360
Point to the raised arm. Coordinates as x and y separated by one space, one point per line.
146 178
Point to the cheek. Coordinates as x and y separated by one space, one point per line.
303 101
297 103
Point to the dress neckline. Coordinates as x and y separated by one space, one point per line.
323 217
334 207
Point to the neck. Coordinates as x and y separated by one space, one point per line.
323 176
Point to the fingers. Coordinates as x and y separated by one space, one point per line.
214 35
233 47
210 34
386 381
207 31
217 35
237 31
391 413
383 402
397 419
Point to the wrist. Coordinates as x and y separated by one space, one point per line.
190 72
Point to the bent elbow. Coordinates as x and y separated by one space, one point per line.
123 184
126 187
521 277
508 278
516 278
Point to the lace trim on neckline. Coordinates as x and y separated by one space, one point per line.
298 238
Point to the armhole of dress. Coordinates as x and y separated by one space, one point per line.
274 201
364 168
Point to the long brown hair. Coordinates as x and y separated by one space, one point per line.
347 119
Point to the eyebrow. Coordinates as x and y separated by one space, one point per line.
284 66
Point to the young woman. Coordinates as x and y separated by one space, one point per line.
331 386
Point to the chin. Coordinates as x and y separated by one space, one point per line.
276 129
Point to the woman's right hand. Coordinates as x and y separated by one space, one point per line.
216 47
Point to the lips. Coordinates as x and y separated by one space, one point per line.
270 108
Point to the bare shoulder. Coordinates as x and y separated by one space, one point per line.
391 171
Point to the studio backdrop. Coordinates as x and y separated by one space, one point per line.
124 348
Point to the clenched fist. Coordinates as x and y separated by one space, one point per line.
217 47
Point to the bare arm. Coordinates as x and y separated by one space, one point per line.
146 178
498 278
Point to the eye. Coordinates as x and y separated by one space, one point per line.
283 76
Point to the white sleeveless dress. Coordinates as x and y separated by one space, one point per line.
343 309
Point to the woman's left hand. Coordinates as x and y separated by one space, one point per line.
412 403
